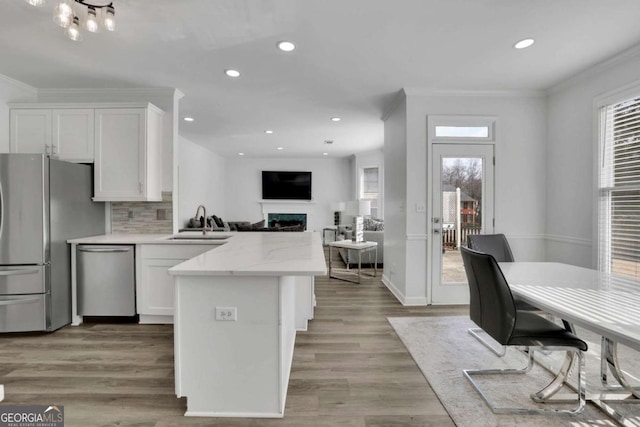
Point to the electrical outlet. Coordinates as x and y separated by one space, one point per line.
420 207
161 214
226 313
130 214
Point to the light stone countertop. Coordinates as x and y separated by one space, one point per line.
139 239
260 254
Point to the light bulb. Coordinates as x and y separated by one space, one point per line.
91 24
36 3
63 15
109 18
73 31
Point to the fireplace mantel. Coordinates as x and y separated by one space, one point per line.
287 202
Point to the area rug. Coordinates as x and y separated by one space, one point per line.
442 347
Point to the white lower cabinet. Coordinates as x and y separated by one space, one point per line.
155 287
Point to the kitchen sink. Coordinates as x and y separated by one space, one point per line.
198 237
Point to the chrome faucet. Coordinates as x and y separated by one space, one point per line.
204 212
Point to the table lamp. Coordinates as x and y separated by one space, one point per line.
338 208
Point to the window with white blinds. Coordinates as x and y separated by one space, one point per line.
370 188
619 204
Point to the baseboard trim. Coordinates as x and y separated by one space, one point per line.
189 413
393 289
148 319
420 301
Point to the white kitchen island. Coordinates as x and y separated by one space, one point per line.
237 309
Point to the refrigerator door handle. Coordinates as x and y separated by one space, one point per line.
18 272
83 249
1 210
20 300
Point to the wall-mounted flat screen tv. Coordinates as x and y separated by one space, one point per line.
285 185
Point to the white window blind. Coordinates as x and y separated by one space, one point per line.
370 188
619 198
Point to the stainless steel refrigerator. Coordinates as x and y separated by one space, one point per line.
43 203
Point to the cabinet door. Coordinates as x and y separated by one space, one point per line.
73 134
120 154
156 290
31 131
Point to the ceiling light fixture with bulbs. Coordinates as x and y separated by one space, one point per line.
90 14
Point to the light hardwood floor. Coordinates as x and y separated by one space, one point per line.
349 369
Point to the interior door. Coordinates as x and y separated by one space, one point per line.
462 189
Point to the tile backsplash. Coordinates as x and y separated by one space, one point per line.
143 217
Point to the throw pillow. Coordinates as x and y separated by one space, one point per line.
243 227
258 225
218 222
373 224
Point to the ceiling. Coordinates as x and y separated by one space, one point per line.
352 57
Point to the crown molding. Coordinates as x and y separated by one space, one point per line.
18 84
418 91
397 100
154 91
596 69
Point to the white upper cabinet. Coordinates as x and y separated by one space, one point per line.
66 133
124 140
73 134
128 154
30 131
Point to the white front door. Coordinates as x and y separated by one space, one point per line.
462 188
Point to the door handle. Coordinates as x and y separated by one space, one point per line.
19 301
17 272
104 249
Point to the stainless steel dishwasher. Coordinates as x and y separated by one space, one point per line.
106 280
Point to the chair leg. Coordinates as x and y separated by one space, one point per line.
475 332
581 393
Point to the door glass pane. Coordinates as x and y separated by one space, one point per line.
462 131
461 212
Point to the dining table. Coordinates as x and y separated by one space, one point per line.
601 302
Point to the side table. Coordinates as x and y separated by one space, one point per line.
359 247
333 228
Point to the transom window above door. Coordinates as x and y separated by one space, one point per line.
467 129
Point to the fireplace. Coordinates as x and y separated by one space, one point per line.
286 220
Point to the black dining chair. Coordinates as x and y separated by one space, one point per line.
494 310
496 245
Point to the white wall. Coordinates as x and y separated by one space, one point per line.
572 149
201 181
331 182
11 91
520 185
395 190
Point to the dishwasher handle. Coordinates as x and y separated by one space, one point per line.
102 250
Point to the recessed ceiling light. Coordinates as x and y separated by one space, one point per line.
268 131
240 154
280 148
335 119
188 119
325 154
232 73
286 46
524 43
